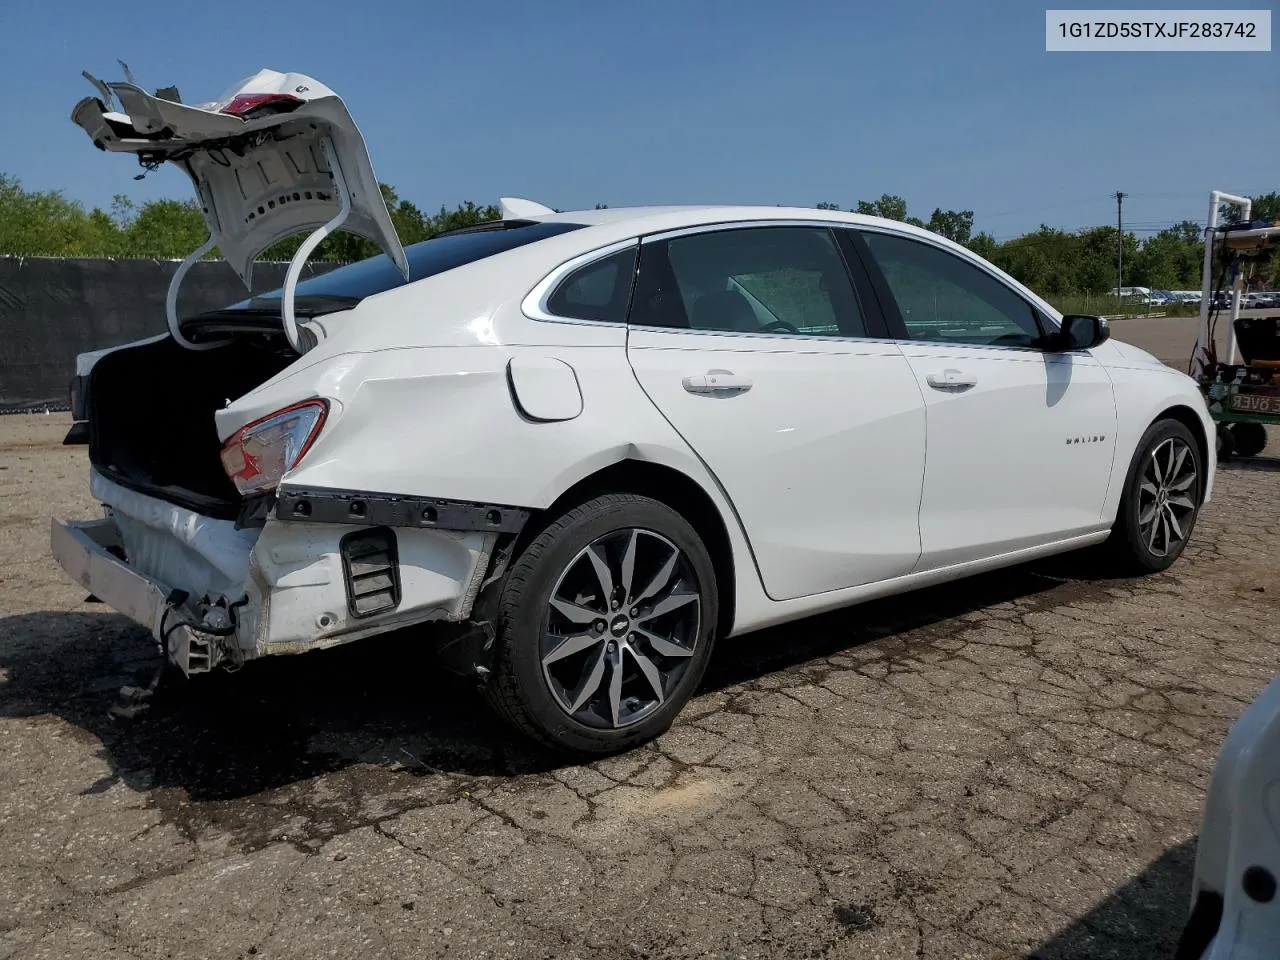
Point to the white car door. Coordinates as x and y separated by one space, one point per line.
1020 440
752 342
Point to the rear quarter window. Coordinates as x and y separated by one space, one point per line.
599 291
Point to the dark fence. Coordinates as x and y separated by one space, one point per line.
52 309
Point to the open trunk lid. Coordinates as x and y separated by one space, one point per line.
276 155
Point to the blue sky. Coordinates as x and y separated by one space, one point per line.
949 104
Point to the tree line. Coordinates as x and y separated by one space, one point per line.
1056 262
48 224
1052 261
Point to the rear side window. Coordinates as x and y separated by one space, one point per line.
377 274
754 280
598 291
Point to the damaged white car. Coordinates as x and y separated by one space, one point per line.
589 443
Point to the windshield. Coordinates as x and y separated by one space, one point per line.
346 286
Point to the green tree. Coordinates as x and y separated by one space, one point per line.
1170 260
165 228
1265 206
955 225
889 206
984 245
464 215
1053 262
47 224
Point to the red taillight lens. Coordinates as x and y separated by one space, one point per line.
258 455
244 103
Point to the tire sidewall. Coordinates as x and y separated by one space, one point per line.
1128 521
523 624
1248 439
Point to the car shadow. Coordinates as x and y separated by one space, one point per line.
1141 920
384 701
1264 464
1053 580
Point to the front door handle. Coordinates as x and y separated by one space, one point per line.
950 380
718 383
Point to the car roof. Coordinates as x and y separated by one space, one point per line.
618 223
604 227
646 219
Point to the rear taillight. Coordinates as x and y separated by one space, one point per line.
246 103
257 456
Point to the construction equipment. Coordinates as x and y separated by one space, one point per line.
1243 397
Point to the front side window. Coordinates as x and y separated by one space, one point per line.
598 291
943 297
755 280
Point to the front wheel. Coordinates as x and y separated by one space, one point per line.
606 625
1250 438
1160 502
1225 442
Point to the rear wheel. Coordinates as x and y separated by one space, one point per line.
1160 502
606 626
1250 438
1226 442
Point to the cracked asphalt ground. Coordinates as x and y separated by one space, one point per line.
1009 766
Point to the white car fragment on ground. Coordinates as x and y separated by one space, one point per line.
589 444
1235 913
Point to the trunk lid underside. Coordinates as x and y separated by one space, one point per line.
256 159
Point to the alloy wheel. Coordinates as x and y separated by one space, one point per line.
620 628
1166 497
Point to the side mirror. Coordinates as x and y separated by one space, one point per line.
1081 332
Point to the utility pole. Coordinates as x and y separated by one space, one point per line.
1119 245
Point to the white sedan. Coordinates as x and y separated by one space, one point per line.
591 444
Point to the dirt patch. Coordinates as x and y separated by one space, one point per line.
1009 766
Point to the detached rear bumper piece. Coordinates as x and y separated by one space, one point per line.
88 552
211 593
92 553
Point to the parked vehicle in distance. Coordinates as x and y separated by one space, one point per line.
1139 294
589 445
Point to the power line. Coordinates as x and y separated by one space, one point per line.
1051 206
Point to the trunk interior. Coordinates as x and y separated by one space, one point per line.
151 416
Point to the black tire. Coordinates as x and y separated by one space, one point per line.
1133 546
522 688
1250 439
1225 442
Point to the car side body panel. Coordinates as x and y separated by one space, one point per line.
422 405
1023 457
1145 389
822 456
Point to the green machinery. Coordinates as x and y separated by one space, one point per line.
1243 395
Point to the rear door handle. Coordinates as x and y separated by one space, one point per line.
718 383
950 380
